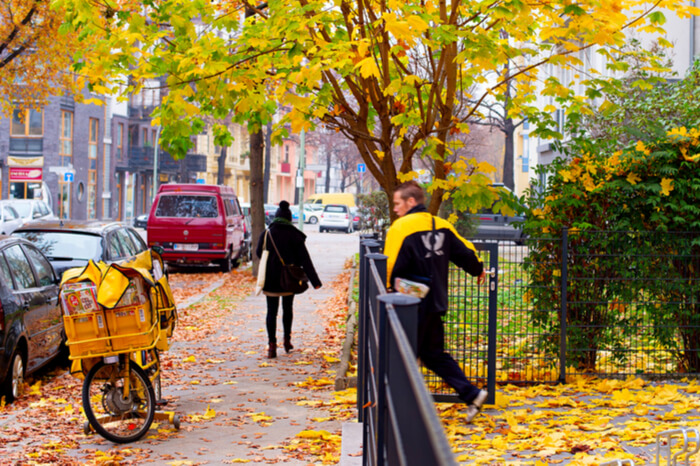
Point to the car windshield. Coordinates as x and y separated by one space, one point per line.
336 209
187 206
65 244
24 209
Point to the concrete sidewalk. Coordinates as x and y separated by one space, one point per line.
256 399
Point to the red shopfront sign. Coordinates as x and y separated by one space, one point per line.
25 174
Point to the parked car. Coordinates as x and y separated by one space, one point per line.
347 199
270 211
30 209
73 243
246 255
356 221
31 327
335 217
10 221
295 213
493 225
197 224
141 221
312 213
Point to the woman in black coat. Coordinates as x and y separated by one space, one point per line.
290 243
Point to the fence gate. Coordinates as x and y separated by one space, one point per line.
471 327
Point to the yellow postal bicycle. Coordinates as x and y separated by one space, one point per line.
117 319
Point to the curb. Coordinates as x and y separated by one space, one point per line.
195 299
342 381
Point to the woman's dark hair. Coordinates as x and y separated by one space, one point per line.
283 211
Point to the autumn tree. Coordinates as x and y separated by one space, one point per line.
393 76
35 59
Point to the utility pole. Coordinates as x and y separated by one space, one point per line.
155 164
300 177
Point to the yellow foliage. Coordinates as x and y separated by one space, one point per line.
666 186
633 178
368 68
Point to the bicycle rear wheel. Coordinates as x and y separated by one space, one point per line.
113 415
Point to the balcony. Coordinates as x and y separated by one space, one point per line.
141 158
26 146
141 112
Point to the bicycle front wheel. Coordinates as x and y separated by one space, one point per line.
119 411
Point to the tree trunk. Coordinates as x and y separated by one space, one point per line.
222 166
268 154
257 210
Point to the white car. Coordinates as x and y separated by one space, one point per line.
312 213
335 217
10 220
30 209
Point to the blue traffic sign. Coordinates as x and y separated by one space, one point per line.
68 177
361 168
200 180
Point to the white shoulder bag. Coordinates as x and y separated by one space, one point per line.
262 266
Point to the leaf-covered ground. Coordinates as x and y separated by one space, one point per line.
217 378
584 422
237 406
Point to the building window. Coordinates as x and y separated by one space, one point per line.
526 153
66 138
120 141
92 169
286 154
27 123
145 137
66 160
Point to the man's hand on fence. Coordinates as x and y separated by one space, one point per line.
482 278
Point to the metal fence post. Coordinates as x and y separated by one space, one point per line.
562 323
493 322
382 409
407 310
377 288
363 284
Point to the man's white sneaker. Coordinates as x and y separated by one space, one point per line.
474 407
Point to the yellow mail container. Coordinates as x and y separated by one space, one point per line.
132 327
86 334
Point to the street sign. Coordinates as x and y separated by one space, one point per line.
68 177
200 180
361 168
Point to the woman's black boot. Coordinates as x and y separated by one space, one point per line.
288 344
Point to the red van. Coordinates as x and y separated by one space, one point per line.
197 224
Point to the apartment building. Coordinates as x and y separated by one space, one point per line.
89 161
531 151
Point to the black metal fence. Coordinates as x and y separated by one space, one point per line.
400 424
610 304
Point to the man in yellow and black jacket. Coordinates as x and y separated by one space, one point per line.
419 247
